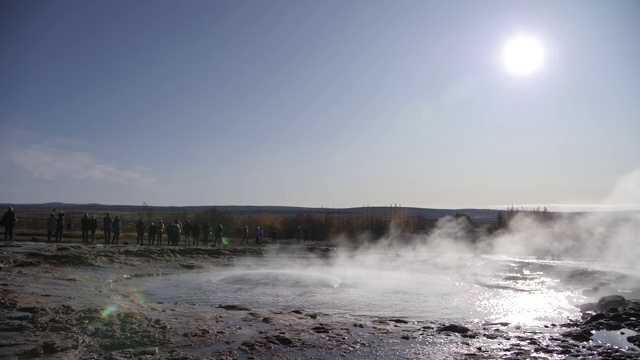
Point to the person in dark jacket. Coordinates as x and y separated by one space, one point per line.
117 229
9 220
218 235
206 232
140 230
153 230
93 226
160 231
188 227
60 226
84 227
107 225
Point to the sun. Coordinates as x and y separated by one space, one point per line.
522 55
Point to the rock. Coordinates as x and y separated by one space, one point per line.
49 347
454 328
635 340
578 335
594 318
610 301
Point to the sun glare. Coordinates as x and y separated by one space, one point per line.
522 55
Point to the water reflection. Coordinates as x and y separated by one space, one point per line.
518 291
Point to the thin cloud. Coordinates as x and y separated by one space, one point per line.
50 163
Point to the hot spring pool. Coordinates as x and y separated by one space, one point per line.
485 288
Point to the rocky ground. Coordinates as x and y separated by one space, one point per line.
48 309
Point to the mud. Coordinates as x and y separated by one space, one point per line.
57 317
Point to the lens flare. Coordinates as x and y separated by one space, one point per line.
225 241
109 310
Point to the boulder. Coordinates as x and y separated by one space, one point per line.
611 301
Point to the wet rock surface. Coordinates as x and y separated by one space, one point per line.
59 320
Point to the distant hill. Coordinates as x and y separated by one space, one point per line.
478 215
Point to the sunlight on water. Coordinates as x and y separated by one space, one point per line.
514 290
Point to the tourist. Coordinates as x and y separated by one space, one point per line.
206 232
84 227
245 236
159 232
153 230
106 226
9 220
51 226
140 229
218 234
187 233
117 228
93 226
60 227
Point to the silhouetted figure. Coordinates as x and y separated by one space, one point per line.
173 230
51 226
187 229
299 233
274 235
206 232
117 229
60 226
107 225
195 232
93 226
218 235
140 232
9 220
153 230
84 228
245 236
159 232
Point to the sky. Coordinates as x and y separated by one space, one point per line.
319 103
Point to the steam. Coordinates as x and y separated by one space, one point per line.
611 239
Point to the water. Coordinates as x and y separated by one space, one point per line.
517 290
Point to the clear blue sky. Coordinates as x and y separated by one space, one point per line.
317 103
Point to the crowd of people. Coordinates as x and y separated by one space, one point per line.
176 231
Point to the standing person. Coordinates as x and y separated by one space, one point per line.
177 231
274 235
195 231
60 226
299 233
159 232
140 229
261 233
153 230
256 233
218 234
84 227
106 226
206 231
93 226
51 226
9 220
117 228
245 236
187 233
